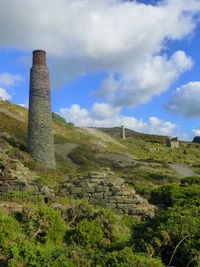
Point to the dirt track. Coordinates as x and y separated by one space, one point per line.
182 170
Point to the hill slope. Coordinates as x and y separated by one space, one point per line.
41 224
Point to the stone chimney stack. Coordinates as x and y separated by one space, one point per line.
122 134
40 135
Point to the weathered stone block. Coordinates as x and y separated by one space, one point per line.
89 189
98 195
103 201
76 190
108 194
111 205
131 201
102 188
116 189
115 199
96 175
124 206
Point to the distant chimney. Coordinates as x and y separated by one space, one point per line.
40 135
122 134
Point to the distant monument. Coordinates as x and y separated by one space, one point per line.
40 135
122 134
172 142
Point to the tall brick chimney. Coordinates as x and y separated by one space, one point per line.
40 135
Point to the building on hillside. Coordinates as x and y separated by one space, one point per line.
172 142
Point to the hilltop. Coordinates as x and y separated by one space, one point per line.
154 202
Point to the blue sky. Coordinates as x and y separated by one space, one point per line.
111 62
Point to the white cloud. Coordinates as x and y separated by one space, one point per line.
186 100
196 132
85 118
144 80
24 105
4 94
125 40
102 111
7 79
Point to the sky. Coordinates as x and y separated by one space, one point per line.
111 62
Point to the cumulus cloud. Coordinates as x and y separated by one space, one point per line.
186 100
86 118
150 77
4 94
125 39
8 79
24 105
196 132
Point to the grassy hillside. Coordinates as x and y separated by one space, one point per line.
36 230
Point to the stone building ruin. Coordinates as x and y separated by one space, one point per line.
172 142
104 188
40 135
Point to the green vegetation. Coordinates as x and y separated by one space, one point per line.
92 236
177 221
86 236
66 232
58 119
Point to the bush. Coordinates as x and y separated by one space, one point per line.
58 119
9 230
88 234
43 224
60 139
125 258
83 155
192 180
30 254
179 220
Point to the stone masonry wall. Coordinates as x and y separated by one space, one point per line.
106 189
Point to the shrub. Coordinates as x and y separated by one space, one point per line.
88 234
58 119
9 230
32 254
60 139
192 180
125 258
83 154
43 224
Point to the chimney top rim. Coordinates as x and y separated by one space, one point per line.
39 50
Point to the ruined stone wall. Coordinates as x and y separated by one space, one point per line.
172 143
40 136
104 188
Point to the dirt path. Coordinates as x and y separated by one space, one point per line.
126 159
182 170
63 150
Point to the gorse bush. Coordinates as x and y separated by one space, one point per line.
9 230
43 224
88 234
179 221
38 236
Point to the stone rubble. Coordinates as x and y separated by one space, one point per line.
104 188
14 176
